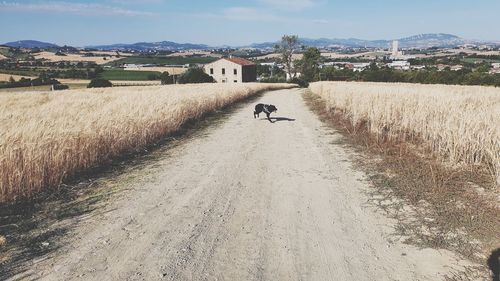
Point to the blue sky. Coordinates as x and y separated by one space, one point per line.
236 22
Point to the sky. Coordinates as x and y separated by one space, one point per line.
237 22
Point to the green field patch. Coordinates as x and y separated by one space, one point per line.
163 60
21 72
128 75
474 60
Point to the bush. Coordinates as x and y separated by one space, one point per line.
28 82
57 87
166 78
299 81
99 83
195 75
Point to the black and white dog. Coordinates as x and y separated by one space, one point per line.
266 108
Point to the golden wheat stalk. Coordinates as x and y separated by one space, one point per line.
46 137
461 123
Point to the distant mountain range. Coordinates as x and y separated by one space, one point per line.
417 41
30 44
155 46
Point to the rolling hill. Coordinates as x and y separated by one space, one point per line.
30 44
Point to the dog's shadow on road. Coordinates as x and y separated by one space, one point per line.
279 119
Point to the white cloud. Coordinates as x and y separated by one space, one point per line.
71 8
135 1
321 21
290 4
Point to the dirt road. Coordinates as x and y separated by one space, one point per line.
249 200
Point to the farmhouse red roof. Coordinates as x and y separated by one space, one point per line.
240 61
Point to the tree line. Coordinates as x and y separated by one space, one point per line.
310 71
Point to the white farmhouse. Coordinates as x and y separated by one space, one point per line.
232 70
400 65
360 66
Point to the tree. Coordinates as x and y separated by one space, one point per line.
286 48
309 64
58 87
12 80
99 83
195 75
484 67
166 78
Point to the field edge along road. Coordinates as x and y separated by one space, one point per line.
49 137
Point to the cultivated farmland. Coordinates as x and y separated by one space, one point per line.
74 58
460 123
6 77
170 70
46 137
128 75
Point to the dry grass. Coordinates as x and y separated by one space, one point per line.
48 137
120 83
73 81
460 123
111 53
194 52
435 205
73 57
6 77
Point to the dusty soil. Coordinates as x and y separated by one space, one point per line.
248 200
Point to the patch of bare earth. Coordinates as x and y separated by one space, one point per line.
436 205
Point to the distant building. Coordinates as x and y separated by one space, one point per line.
358 67
395 48
336 64
400 65
417 67
296 75
441 67
457 67
271 64
232 70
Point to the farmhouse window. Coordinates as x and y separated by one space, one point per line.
211 71
223 71
235 71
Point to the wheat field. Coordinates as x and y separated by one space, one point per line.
47 137
170 70
461 123
52 57
6 77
